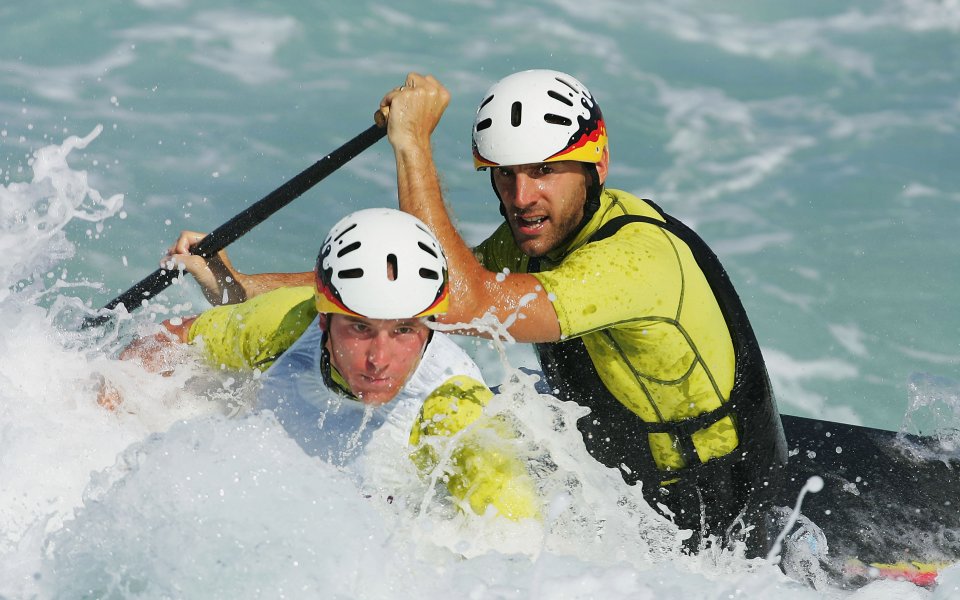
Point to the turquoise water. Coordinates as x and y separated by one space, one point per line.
814 145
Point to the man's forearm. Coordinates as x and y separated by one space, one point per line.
420 194
259 283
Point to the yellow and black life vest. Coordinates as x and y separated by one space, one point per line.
618 438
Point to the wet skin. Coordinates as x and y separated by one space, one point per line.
543 202
375 356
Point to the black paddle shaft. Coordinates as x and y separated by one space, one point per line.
229 232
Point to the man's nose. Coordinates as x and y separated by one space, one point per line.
378 353
525 191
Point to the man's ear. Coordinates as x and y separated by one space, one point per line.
603 166
324 321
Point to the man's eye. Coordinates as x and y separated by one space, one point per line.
501 172
545 169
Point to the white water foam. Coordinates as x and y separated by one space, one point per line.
166 497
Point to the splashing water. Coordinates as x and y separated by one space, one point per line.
933 411
33 215
52 432
167 497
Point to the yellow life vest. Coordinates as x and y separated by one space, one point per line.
654 340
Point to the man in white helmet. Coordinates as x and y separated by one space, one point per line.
631 313
366 367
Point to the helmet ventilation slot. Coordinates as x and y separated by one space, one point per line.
392 272
557 120
427 249
345 231
348 249
560 97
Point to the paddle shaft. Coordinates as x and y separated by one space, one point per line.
229 232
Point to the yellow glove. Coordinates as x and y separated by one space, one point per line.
473 449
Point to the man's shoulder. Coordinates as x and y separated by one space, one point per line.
263 310
302 355
623 219
255 332
619 203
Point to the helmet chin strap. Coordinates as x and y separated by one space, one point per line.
590 206
327 368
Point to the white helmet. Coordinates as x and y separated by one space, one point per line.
381 263
538 116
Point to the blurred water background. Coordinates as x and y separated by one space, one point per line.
813 145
